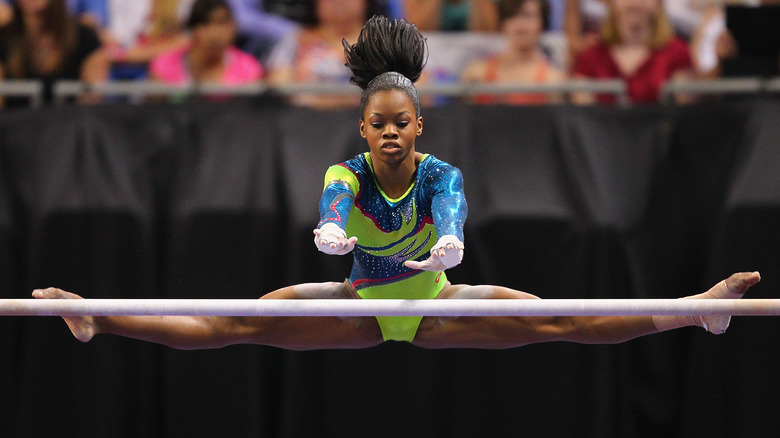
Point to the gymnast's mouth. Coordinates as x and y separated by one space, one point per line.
391 146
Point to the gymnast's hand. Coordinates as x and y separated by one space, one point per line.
446 254
331 239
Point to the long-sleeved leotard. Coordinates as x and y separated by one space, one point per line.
392 231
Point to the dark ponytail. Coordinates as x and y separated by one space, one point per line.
388 55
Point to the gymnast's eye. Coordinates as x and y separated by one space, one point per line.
377 125
402 124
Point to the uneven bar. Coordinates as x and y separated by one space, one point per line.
379 307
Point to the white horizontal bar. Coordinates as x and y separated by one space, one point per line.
380 307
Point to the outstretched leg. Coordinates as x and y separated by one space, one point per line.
202 332
510 331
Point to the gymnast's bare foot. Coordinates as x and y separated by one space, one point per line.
82 327
733 287
740 282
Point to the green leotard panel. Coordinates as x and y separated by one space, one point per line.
389 232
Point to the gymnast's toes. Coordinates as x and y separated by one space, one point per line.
740 282
53 293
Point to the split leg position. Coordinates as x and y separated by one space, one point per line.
301 333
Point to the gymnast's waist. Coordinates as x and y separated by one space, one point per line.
418 285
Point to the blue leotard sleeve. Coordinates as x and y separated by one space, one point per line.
338 196
448 204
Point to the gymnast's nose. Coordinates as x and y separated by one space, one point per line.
390 131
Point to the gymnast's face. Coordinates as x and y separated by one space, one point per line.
390 126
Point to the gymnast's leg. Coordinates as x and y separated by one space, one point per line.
203 332
509 331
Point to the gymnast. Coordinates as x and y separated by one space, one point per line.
400 213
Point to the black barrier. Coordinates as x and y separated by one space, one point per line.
218 201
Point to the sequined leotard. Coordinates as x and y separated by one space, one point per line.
391 231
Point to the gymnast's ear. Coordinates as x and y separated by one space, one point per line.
362 128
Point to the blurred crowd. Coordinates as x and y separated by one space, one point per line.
644 43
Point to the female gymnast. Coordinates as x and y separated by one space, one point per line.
400 213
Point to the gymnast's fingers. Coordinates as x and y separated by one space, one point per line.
432 263
411 264
346 246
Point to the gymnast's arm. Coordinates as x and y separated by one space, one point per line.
449 210
337 200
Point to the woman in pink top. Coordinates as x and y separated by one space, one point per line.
211 58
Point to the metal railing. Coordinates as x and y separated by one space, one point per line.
616 88
30 89
139 91
726 86
772 85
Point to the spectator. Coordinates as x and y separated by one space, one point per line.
6 13
259 30
211 57
44 42
89 12
711 43
139 30
314 54
522 23
638 46
557 14
582 20
716 53
451 15
685 15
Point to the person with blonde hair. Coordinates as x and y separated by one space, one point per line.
637 44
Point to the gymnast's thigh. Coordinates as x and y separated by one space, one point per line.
326 290
311 332
467 292
478 331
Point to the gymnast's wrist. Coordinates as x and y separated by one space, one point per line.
449 239
332 227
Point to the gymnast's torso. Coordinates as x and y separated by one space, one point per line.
391 231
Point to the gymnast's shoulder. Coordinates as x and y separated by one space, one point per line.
432 169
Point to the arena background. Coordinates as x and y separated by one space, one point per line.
218 201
